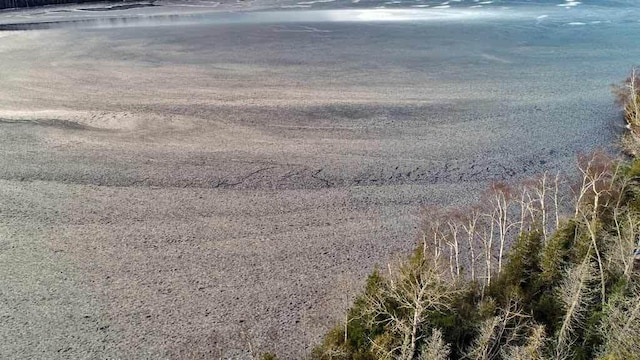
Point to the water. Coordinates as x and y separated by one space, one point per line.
567 12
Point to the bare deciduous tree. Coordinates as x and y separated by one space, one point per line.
596 191
622 246
533 349
500 332
575 294
500 200
628 96
621 328
470 225
402 306
435 348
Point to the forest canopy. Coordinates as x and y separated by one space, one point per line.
548 269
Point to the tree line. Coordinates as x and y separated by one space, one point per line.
548 269
10 4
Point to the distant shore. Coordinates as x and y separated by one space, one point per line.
15 4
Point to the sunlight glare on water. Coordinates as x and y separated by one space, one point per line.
399 15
